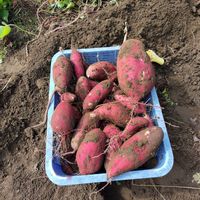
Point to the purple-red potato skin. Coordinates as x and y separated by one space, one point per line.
113 112
136 107
87 122
111 130
64 118
113 76
78 63
66 168
68 97
62 72
114 144
134 125
92 145
100 70
135 151
92 83
83 87
97 94
135 72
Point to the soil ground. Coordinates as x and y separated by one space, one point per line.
172 29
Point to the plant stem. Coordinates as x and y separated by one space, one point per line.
25 31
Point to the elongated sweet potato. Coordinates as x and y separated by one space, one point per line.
136 75
136 107
78 63
83 87
113 133
113 112
62 73
97 94
88 121
135 151
64 118
100 71
114 145
89 156
67 96
111 130
133 126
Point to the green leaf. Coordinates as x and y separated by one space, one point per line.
70 5
4 31
5 4
4 15
60 4
1 3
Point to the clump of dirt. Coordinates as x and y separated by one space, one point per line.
169 28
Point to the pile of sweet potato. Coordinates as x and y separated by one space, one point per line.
101 120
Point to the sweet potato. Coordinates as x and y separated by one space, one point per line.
114 145
111 130
113 112
135 151
113 133
62 73
113 76
133 126
64 118
136 107
78 63
88 121
67 96
90 156
97 94
100 71
136 75
66 167
83 87
92 83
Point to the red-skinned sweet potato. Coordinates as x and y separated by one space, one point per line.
113 112
67 96
100 70
136 75
114 145
90 156
136 107
113 133
133 126
111 130
66 167
78 63
92 83
64 118
83 87
97 94
135 151
88 121
62 73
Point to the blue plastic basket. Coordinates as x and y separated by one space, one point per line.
53 168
